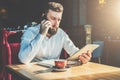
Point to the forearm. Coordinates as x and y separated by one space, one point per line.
69 46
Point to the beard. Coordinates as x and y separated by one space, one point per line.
52 31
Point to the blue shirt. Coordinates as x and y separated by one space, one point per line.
37 46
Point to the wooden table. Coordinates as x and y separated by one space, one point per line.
89 71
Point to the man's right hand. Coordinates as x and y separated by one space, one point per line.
45 25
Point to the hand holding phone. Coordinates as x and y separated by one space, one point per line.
45 26
49 30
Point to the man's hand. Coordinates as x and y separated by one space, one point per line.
85 57
45 25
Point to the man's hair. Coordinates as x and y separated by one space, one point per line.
55 6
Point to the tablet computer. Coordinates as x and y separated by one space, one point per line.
90 47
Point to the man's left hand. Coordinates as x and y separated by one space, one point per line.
85 57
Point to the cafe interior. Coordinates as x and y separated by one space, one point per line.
85 21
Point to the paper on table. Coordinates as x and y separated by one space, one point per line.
47 63
90 47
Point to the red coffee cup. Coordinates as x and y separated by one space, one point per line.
60 63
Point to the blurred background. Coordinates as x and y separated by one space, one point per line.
102 15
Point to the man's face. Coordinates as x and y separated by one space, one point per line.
55 18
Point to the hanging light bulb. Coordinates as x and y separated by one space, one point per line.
102 3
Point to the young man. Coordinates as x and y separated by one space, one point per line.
46 40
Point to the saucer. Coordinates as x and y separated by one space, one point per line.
60 69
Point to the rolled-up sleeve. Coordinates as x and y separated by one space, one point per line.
30 44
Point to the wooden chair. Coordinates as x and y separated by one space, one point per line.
9 48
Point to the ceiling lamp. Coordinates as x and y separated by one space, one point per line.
102 2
